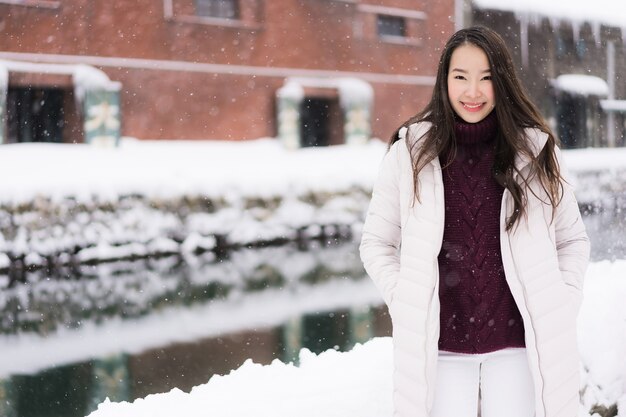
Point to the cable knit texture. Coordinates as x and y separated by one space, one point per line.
478 313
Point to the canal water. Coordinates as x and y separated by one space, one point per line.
126 330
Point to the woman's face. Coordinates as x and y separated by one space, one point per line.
470 89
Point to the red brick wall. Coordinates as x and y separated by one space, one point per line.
327 35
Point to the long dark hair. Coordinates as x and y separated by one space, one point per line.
514 111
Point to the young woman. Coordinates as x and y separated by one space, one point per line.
476 243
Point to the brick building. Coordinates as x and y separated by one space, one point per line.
311 72
573 69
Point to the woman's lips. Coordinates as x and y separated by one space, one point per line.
473 107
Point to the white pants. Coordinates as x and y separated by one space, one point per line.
503 377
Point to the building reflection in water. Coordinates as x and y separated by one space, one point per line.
323 301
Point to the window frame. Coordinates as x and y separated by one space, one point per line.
413 24
39 4
214 6
387 20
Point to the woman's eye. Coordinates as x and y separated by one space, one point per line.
487 78
459 77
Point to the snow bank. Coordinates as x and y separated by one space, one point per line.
171 169
164 170
332 384
358 383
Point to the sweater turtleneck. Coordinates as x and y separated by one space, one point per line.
471 133
478 313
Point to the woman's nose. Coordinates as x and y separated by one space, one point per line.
473 90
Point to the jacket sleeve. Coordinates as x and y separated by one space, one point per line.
380 241
572 242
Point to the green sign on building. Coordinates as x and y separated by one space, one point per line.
102 120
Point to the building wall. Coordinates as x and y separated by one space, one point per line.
189 77
560 48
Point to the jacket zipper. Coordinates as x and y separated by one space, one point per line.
442 213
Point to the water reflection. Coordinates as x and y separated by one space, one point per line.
126 330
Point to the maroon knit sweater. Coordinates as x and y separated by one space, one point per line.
478 313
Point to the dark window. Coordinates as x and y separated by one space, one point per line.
391 26
321 122
571 119
225 9
34 115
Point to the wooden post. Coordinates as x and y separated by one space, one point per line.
292 339
361 325
4 89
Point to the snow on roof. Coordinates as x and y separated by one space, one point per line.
613 105
351 90
85 77
291 90
605 12
581 84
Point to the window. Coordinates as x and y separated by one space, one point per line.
35 115
224 9
581 49
321 122
391 26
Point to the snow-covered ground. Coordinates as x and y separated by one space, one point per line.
358 383
165 170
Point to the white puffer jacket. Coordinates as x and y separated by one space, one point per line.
544 263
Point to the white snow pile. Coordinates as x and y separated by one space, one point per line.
358 383
332 384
